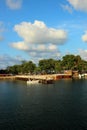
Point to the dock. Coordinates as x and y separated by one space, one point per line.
43 77
48 78
7 76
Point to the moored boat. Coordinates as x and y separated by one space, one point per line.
81 76
32 81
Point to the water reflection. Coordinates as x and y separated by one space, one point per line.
61 105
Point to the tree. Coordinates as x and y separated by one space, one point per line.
47 65
58 67
68 62
28 67
13 69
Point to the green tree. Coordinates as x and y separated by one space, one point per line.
58 67
68 62
13 69
28 67
47 65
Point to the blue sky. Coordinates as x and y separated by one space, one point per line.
35 29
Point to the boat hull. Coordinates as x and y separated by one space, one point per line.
33 82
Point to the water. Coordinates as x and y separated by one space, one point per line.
59 106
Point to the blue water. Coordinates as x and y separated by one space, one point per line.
58 106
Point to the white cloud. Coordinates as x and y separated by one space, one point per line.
79 4
40 51
84 37
34 48
39 41
14 4
20 46
39 33
83 54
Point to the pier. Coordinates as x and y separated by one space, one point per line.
7 76
43 77
36 77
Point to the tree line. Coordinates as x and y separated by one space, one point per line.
45 66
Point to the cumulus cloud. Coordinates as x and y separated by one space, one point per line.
40 48
14 4
39 33
84 37
20 46
79 4
38 40
37 52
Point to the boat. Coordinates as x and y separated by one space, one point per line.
81 76
32 81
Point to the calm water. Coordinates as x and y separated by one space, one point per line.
59 106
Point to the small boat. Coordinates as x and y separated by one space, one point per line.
32 81
81 76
